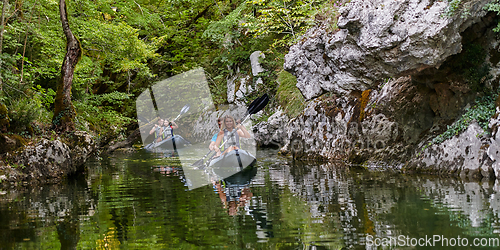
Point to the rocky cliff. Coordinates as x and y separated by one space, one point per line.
47 161
394 76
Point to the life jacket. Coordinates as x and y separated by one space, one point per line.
167 131
157 133
233 140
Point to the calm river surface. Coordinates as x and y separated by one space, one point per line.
140 201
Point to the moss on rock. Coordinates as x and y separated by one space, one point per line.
4 118
10 143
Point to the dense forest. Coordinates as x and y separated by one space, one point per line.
128 45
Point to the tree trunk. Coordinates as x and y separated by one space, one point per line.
64 112
2 28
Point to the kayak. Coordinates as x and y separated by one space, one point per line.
168 144
232 163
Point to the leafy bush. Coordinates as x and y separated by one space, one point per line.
46 96
494 6
453 6
23 112
97 113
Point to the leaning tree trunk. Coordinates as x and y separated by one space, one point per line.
64 112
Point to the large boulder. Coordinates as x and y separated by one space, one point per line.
50 160
377 40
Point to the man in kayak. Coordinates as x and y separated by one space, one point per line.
231 134
212 146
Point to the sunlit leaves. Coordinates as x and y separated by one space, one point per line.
281 16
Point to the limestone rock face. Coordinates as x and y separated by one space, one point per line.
378 39
50 160
464 155
390 80
273 131
236 93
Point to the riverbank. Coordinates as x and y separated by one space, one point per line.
47 160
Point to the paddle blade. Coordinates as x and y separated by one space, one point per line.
198 163
252 105
261 104
184 109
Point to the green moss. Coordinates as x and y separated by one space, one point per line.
4 118
288 95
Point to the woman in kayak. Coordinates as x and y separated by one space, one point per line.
231 134
167 129
157 130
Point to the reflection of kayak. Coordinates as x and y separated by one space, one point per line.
243 177
168 144
228 164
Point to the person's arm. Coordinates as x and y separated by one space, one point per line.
242 131
153 129
173 125
218 141
161 133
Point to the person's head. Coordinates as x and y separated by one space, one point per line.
160 121
229 122
166 122
219 122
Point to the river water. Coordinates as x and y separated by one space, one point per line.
140 200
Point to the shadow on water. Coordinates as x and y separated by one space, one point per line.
142 201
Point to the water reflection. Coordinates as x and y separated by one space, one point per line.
142 201
27 214
234 191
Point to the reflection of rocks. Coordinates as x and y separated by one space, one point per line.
59 205
377 203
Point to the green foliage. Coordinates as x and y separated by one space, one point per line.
23 112
227 31
494 6
453 6
98 113
46 96
282 17
481 112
